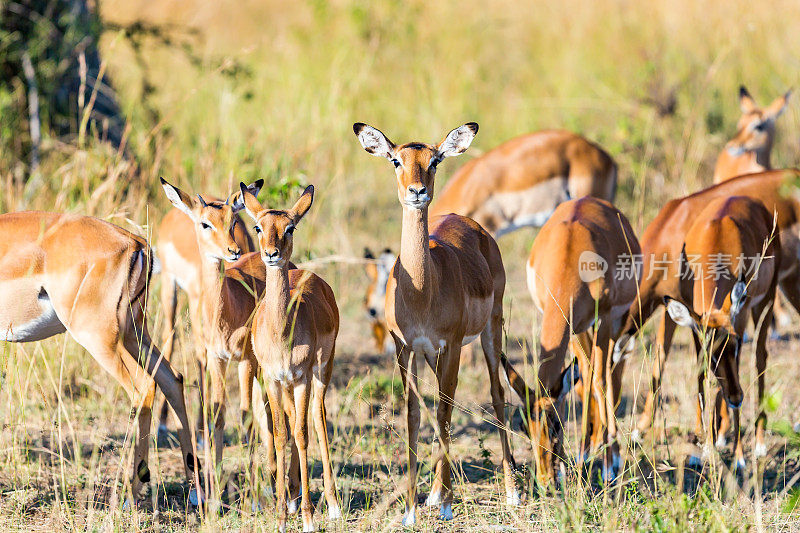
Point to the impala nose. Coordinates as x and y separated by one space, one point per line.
419 192
272 256
236 253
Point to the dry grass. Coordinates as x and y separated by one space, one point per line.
274 94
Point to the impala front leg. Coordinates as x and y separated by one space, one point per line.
407 361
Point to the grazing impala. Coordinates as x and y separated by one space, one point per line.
228 298
446 289
375 300
522 181
181 266
729 268
748 151
79 274
294 339
662 242
582 275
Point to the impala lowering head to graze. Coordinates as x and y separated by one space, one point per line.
378 270
294 339
79 274
445 289
750 148
229 294
662 242
181 266
582 277
729 264
521 182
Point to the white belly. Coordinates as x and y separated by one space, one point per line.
40 327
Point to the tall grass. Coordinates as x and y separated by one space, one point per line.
273 95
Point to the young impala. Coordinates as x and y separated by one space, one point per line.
228 298
730 268
662 243
748 151
582 275
294 339
446 289
375 299
73 273
181 266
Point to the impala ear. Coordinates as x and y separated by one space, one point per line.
180 199
777 107
236 200
569 377
746 102
302 205
248 200
738 295
679 313
374 141
458 140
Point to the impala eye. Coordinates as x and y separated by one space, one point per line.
289 230
396 163
258 230
205 225
760 126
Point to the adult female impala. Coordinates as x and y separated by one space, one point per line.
181 266
748 151
445 289
61 272
582 275
294 339
730 263
229 296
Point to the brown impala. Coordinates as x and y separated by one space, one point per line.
82 275
729 266
445 290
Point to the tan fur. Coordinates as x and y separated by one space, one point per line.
663 240
731 227
67 272
445 288
294 338
522 181
749 149
572 304
375 297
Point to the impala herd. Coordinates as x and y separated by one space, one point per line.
594 282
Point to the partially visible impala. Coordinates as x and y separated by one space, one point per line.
229 294
294 339
662 242
375 298
749 150
445 290
582 275
62 272
181 267
729 266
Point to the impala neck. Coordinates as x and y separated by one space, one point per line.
415 257
278 294
212 278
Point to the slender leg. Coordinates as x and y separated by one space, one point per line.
247 372
275 394
200 358
663 342
263 416
169 304
447 376
217 368
321 427
407 362
761 315
302 392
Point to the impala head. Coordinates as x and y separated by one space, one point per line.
378 274
415 163
275 228
756 127
214 221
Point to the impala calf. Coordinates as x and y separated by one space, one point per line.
181 266
229 294
749 150
445 289
522 181
582 275
730 264
662 243
61 272
294 339
375 299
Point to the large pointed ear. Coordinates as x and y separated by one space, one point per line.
236 200
746 102
374 141
302 205
777 106
249 200
738 295
569 377
179 199
458 140
679 313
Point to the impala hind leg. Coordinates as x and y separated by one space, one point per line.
762 315
321 427
666 330
169 304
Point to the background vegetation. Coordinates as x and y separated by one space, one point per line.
226 91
